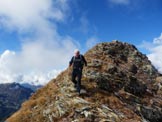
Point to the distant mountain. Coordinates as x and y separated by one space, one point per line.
119 84
12 95
32 87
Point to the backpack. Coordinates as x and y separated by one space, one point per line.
81 58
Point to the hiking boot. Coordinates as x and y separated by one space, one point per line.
78 90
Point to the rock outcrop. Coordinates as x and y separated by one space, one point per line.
118 85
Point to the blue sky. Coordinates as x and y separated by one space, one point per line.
130 21
37 37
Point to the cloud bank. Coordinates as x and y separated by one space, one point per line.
31 14
43 51
156 53
155 49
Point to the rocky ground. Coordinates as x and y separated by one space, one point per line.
118 85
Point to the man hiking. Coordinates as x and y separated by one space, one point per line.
77 61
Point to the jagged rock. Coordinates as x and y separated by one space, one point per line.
104 84
119 84
135 87
151 114
158 83
95 63
112 69
133 69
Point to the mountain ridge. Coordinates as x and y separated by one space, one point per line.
120 84
30 86
11 97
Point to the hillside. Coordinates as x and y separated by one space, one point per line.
12 95
119 85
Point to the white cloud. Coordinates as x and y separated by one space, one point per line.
37 63
31 14
158 40
84 24
92 41
156 58
118 2
155 54
43 50
17 68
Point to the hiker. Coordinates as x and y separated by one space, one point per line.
77 62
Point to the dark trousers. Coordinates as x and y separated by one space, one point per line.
76 78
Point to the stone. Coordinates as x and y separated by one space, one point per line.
112 69
133 69
95 63
103 84
135 87
151 114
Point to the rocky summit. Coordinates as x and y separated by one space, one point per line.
119 85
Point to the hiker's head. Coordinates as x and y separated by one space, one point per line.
76 52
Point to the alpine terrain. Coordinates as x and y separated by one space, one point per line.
119 85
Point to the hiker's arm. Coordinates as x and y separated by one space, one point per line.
71 61
85 62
